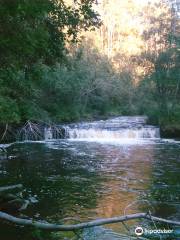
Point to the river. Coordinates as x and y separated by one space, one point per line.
91 175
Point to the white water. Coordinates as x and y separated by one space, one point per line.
117 134
121 128
48 133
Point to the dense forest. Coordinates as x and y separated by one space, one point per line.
62 61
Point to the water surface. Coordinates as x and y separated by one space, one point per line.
93 179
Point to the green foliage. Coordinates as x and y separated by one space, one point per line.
88 85
162 87
38 30
33 38
9 111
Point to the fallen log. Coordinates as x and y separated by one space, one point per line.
12 202
7 188
98 222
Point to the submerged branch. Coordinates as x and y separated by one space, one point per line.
98 222
7 188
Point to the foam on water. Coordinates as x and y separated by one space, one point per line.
124 141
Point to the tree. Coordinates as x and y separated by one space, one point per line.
38 30
35 33
162 51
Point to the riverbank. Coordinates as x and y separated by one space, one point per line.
170 131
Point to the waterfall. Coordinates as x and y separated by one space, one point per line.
116 128
123 133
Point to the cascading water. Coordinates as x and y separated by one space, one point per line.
116 128
48 133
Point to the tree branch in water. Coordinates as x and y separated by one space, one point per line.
98 222
11 187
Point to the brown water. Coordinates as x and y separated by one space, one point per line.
65 178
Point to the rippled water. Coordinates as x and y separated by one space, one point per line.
88 180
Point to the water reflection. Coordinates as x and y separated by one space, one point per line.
165 186
90 179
